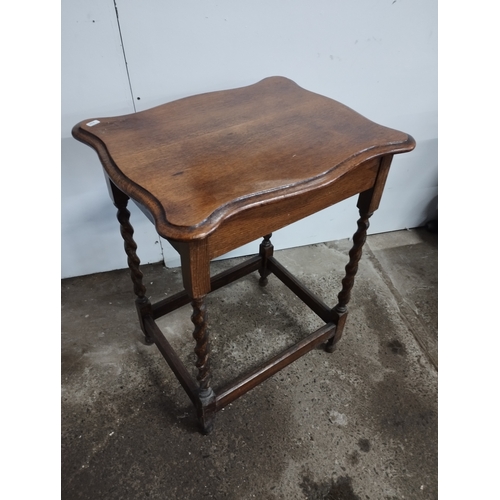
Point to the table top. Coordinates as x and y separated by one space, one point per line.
196 161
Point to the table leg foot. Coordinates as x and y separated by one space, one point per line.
266 250
207 424
206 410
330 346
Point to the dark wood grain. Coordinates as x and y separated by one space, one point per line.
258 219
226 151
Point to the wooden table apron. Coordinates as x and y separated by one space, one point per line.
235 222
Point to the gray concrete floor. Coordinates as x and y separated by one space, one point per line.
357 424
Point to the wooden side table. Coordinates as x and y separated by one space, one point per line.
215 171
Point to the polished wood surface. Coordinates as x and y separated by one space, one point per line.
231 150
218 170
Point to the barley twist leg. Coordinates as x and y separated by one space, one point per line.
340 310
206 408
143 304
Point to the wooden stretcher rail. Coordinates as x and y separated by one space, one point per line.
172 359
302 292
243 384
218 281
248 381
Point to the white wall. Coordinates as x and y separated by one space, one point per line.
377 56
94 83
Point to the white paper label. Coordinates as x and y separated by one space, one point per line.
92 123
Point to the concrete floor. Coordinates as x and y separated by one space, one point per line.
357 424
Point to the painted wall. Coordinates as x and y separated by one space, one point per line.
377 56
